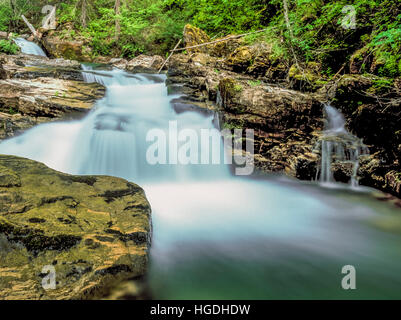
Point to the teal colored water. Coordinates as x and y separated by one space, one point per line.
219 236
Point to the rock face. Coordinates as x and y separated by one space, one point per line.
44 97
286 122
12 124
372 113
37 89
283 120
143 63
95 232
283 103
25 66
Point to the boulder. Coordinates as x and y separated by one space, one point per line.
36 89
256 61
360 61
119 63
194 36
378 173
199 73
68 49
3 73
303 166
93 231
223 47
145 64
365 104
241 59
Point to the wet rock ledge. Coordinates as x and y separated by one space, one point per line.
94 230
36 89
253 88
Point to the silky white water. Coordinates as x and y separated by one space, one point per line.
216 235
29 47
337 145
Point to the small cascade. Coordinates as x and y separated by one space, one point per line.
338 147
29 47
215 235
108 77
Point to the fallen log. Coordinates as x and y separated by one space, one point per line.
220 40
31 27
172 52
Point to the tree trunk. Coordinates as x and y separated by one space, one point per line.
83 13
118 27
14 14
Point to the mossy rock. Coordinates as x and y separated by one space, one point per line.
254 60
94 230
241 58
60 48
306 78
194 36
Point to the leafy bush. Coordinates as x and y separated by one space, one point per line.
8 47
154 26
5 14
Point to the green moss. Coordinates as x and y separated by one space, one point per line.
231 126
238 88
84 226
254 83
381 85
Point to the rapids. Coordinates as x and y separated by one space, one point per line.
29 47
217 235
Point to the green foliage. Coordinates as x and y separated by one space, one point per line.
238 88
5 16
8 47
154 26
381 84
254 83
12 111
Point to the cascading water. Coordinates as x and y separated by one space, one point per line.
337 145
216 235
29 47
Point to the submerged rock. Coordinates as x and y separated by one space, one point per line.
95 232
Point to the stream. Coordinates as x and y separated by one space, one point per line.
217 235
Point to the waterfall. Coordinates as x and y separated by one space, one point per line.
338 146
29 47
215 235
